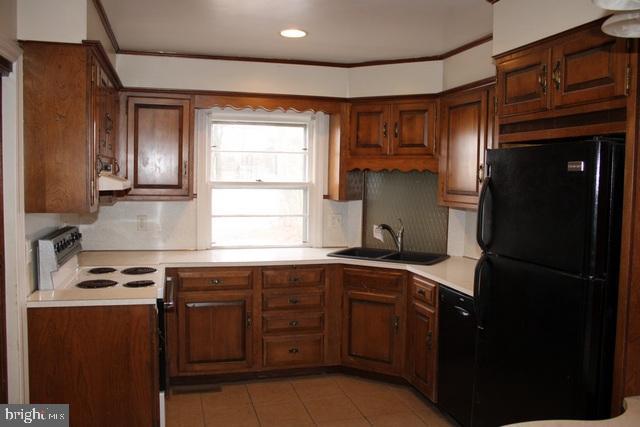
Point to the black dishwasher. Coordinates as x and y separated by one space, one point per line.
456 354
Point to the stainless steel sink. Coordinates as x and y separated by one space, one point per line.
387 255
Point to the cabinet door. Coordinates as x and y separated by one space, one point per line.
105 117
589 66
369 130
215 332
372 325
414 128
523 83
422 348
159 146
463 139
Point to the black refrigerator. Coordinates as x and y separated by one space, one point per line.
549 220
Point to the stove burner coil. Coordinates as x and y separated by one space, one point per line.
96 284
102 270
139 283
138 270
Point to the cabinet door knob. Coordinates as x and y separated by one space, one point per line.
293 350
293 300
542 78
396 130
556 76
216 282
429 340
396 323
480 173
384 130
249 321
293 323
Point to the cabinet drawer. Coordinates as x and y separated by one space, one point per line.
292 277
295 350
423 290
293 300
207 279
292 322
373 279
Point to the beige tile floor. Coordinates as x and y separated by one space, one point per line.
326 400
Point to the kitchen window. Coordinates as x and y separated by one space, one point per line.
260 179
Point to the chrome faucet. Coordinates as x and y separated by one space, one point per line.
396 236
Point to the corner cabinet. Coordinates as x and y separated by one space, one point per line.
68 99
465 134
393 135
159 149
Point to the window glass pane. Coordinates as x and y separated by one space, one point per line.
257 231
258 137
250 166
252 201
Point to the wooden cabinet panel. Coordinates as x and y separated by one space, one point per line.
369 129
422 350
414 128
590 66
523 82
209 279
302 350
292 277
215 331
423 290
159 146
372 278
463 141
292 323
307 300
102 361
372 325
107 103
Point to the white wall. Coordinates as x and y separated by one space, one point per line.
96 31
519 22
395 79
60 21
461 238
468 66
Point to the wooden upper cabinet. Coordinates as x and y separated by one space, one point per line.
215 331
159 147
105 117
63 101
463 143
523 82
369 129
414 128
590 66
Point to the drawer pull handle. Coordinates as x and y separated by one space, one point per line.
293 350
249 320
216 282
422 292
293 323
294 279
429 340
293 300
396 323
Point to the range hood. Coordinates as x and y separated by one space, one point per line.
110 182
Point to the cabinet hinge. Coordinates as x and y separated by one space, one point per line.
627 79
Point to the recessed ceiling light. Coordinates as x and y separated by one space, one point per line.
293 33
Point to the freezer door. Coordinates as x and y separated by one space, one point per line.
538 344
549 205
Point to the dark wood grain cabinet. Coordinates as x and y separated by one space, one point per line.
393 135
68 93
465 135
102 361
159 153
422 341
373 318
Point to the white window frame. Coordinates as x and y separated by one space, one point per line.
316 176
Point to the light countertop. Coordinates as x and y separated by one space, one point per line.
455 272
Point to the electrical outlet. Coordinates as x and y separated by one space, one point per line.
335 221
141 224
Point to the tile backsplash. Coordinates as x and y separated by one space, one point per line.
411 196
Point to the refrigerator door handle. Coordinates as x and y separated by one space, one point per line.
478 292
480 229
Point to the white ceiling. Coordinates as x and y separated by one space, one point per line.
338 30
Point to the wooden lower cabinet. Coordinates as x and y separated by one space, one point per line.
422 348
372 331
215 331
289 351
102 361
